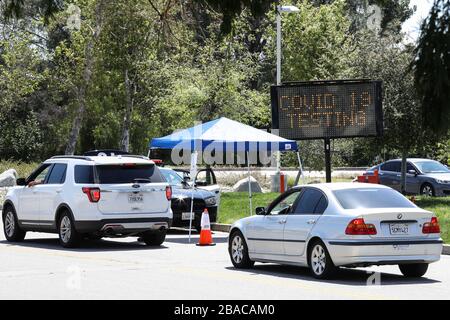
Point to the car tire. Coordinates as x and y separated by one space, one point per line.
415 270
154 238
11 228
427 190
238 250
319 261
68 235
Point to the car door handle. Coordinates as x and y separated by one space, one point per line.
58 191
312 221
282 221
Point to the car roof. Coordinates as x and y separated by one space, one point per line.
105 160
413 160
343 185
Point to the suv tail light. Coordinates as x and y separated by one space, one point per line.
359 227
169 192
92 193
432 226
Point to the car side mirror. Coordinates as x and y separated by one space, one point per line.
260 211
21 182
413 172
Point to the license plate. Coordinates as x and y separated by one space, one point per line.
187 216
399 228
135 198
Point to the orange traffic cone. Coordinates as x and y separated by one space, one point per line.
205 233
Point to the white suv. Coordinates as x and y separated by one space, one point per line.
90 197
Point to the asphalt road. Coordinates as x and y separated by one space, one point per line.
125 269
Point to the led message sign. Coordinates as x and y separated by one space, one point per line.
327 109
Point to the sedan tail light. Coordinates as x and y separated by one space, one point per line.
359 227
432 226
92 193
168 193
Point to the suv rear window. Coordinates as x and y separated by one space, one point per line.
371 198
84 174
115 174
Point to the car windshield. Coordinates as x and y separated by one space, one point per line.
172 177
431 167
128 173
371 198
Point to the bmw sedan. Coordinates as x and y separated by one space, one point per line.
326 226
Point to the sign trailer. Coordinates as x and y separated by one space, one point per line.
328 110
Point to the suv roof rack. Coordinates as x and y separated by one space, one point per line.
134 156
107 152
72 157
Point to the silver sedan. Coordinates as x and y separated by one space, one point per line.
326 226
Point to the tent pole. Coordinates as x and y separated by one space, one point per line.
300 170
249 185
193 159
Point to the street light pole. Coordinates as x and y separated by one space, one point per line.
280 9
278 46
278 154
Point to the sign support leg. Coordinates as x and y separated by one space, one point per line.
328 160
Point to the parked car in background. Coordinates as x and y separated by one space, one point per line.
205 180
325 226
90 197
424 176
182 194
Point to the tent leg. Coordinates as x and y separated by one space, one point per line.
300 170
193 159
249 185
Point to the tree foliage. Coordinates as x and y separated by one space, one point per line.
432 68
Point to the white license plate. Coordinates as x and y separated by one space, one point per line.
187 216
136 198
399 228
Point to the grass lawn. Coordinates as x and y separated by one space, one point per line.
235 205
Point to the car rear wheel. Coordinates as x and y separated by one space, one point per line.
154 238
238 251
415 270
427 190
68 236
13 232
319 261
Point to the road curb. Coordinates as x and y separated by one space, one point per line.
220 227
226 228
446 249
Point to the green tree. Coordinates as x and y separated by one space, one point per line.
432 68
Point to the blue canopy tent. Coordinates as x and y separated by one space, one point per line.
227 136
224 134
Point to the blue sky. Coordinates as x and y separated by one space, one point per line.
412 26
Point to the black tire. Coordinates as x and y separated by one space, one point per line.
238 250
319 261
154 238
415 270
11 228
427 190
68 235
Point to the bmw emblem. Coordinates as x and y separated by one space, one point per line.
399 216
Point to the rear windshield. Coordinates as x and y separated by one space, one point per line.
371 198
114 174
